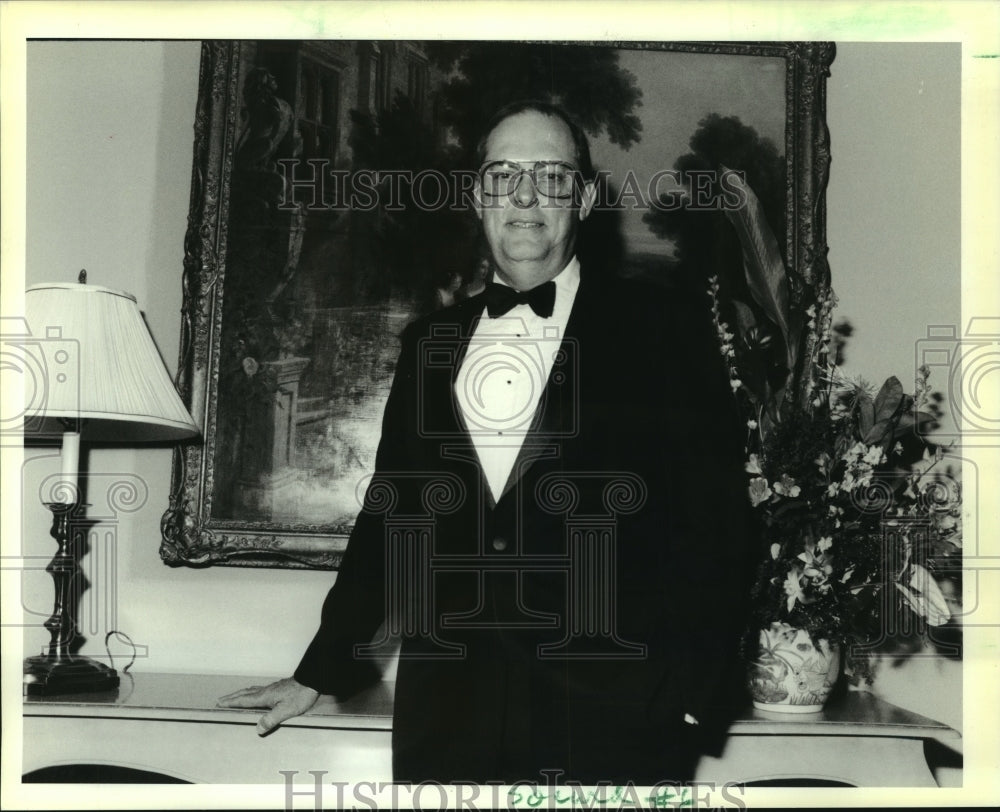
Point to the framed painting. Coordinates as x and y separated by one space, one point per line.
330 206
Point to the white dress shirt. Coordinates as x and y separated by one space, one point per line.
504 372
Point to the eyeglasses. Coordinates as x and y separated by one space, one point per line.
550 178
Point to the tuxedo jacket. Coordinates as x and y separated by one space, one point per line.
571 624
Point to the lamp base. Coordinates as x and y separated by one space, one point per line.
47 676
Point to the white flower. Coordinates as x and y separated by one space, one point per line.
760 491
864 480
753 465
751 424
787 486
925 597
825 543
735 383
874 455
793 589
854 453
817 566
775 551
947 522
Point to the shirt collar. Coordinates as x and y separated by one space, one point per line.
567 280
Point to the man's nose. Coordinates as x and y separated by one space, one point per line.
524 194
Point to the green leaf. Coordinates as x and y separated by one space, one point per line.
745 319
769 418
840 446
925 597
888 399
752 365
920 423
866 414
879 434
762 264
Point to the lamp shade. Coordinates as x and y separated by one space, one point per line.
94 360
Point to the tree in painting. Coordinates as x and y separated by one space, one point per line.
587 81
707 245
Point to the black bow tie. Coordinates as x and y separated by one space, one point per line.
501 298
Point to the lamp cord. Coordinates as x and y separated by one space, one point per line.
128 640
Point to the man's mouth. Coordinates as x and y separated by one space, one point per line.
524 224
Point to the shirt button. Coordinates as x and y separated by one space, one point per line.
499 544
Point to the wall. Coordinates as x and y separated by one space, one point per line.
109 156
894 199
894 230
109 162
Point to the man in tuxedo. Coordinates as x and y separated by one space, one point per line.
557 524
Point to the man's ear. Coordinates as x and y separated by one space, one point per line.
587 197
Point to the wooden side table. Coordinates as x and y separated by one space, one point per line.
168 725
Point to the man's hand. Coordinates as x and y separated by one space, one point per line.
286 699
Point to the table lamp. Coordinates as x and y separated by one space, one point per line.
93 373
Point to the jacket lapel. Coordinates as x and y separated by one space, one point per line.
447 346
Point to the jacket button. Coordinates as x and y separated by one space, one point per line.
499 544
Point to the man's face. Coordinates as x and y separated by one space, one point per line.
532 237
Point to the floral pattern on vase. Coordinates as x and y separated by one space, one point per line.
792 673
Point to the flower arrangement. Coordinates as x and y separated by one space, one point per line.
860 514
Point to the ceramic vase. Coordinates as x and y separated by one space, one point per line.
792 673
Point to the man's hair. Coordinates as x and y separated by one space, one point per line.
580 144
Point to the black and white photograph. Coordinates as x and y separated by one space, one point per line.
499 405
